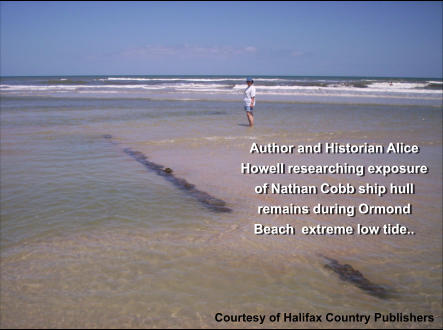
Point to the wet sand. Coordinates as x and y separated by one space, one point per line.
90 238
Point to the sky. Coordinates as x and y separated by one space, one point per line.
396 39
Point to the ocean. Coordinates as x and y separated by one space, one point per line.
96 233
275 88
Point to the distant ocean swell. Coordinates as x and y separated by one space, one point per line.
321 86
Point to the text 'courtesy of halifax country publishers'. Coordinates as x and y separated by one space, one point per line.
338 171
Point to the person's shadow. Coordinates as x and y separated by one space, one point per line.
244 125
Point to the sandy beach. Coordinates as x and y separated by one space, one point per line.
92 238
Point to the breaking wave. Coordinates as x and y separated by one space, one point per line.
200 86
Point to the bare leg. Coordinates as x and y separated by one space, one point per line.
250 118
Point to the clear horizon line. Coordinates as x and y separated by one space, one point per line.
218 75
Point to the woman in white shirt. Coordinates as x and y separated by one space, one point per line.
250 101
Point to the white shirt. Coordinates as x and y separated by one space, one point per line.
249 94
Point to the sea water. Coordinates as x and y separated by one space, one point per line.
92 238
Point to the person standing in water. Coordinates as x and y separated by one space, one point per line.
250 101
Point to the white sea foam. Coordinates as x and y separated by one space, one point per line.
74 87
373 88
189 79
38 88
396 85
288 87
170 79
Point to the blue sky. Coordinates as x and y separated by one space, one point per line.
244 38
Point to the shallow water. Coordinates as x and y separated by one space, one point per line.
91 238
